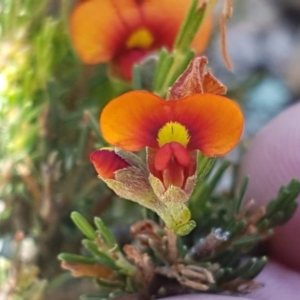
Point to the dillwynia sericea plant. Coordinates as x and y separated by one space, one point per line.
192 119
192 240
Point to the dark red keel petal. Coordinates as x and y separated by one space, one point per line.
169 152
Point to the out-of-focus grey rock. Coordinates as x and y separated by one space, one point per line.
277 47
27 249
272 160
292 70
245 41
243 47
264 102
260 38
290 4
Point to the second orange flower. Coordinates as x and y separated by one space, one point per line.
123 32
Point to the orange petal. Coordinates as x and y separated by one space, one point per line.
107 162
215 123
164 18
100 27
202 37
132 120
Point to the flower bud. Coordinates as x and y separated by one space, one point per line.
123 172
107 162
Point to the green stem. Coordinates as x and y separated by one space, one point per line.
171 65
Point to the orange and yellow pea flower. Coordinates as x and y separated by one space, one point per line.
123 32
173 130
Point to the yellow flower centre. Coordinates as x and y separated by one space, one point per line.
140 38
173 132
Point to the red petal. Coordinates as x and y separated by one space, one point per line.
107 162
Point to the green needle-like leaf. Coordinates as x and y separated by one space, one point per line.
106 234
241 194
101 257
83 225
137 80
280 209
205 165
256 268
73 258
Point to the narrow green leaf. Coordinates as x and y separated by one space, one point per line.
161 60
288 213
94 125
239 272
224 274
219 173
241 194
218 274
280 209
164 70
83 225
181 248
105 232
109 284
137 80
185 27
254 238
236 227
82 141
256 268
102 296
73 258
205 165
181 62
101 257
277 218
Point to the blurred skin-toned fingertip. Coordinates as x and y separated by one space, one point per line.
279 283
272 160
204 297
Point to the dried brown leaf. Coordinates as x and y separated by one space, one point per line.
142 262
196 79
85 270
